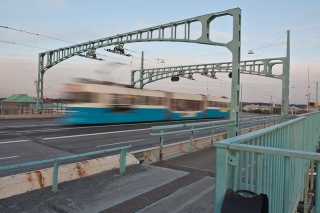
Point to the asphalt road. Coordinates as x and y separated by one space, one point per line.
24 141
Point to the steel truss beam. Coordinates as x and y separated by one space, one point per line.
261 67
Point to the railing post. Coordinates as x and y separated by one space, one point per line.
286 184
311 176
212 135
259 174
306 190
55 174
123 163
317 195
223 171
191 140
161 146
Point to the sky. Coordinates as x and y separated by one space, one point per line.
263 29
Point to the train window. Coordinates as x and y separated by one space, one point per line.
82 97
185 105
213 104
118 99
148 100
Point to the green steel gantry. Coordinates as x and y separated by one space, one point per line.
262 67
52 57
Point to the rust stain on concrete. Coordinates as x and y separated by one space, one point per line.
80 170
40 179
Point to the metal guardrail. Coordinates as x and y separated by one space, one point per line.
57 161
275 161
261 120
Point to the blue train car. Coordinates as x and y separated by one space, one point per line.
101 103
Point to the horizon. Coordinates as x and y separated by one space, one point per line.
263 34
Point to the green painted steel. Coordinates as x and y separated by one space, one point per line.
212 125
57 161
50 58
276 161
260 67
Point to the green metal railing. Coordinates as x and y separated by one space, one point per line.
57 161
275 161
213 125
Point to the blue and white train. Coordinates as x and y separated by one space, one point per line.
108 103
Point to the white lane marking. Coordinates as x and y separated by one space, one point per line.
186 133
121 142
33 125
43 130
9 157
14 141
100 133
85 127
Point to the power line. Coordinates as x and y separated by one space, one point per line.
271 44
10 42
36 34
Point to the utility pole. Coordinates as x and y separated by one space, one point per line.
141 72
308 94
317 109
271 106
241 98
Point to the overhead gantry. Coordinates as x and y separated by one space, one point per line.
260 67
50 58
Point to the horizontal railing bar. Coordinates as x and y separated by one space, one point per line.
262 118
189 130
187 125
256 134
276 151
212 122
34 163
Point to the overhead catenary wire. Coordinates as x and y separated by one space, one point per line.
271 44
11 42
37 34
146 60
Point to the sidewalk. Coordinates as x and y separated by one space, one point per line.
181 184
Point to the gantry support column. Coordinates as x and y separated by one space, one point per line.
285 79
234 46
40 85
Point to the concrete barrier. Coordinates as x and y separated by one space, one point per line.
21 183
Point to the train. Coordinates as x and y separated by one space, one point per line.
98 102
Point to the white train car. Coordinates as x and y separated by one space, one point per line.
102 103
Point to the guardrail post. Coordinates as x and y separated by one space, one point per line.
191 140
306 190
212 135
161 146
259 174
286 184
223 171
123 163
55 173
317 195
311 176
